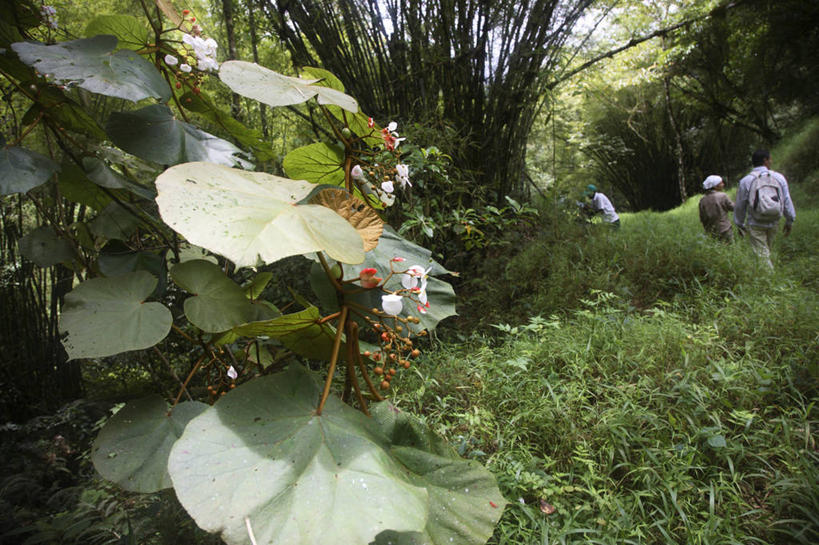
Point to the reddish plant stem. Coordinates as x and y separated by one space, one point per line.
342 320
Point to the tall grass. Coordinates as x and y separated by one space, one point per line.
651 384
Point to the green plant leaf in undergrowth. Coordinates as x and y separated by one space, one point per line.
106 316
92 64
188 252
63 112
465 502
247 137
130 32
75 186
317 163
261 458
114 222
152 133
22 170
274 89
43 247
251 216
218 303
117 259
254 289
717 441
300 331
440 294
132 448
104 176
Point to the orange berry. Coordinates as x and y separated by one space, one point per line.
391 372
178 85
378 370
377 357
406 364
393 356
185 11
385 385
415 353
193 19
366 353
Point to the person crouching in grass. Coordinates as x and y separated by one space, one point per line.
714 208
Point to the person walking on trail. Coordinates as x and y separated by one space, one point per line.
763 198
600 204
714 208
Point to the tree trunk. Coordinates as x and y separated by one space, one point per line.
678 144
227 12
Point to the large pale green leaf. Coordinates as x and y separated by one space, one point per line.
261 454
251 216
152 133
22 170
43 247
465 503
274 89
130 31
132 448
92 64
106 316
249 138
440 294
218 303
318 163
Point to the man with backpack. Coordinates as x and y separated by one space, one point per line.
763 198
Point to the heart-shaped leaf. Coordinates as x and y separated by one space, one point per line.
365 220
274 89
218 303
43 247
22 170
152 133
251 216
465 503
106 316
92 64
132 448
261 458
318 163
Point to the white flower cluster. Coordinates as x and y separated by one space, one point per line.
387 190
415 281
205 51
49 15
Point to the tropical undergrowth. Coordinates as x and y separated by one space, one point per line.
646 385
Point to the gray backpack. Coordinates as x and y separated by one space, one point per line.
765 198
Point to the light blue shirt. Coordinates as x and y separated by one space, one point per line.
741 207
603 204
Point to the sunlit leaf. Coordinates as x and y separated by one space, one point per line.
92 64
130 31
106 316
218 303
251 216
152 133
262 454
22 170
132 448
274 89
318 163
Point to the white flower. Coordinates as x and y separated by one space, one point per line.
357 172
392 304
49 15
185 67
170 60
388 186
387 198
207 64
402 170
392 126
232 373
410 278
